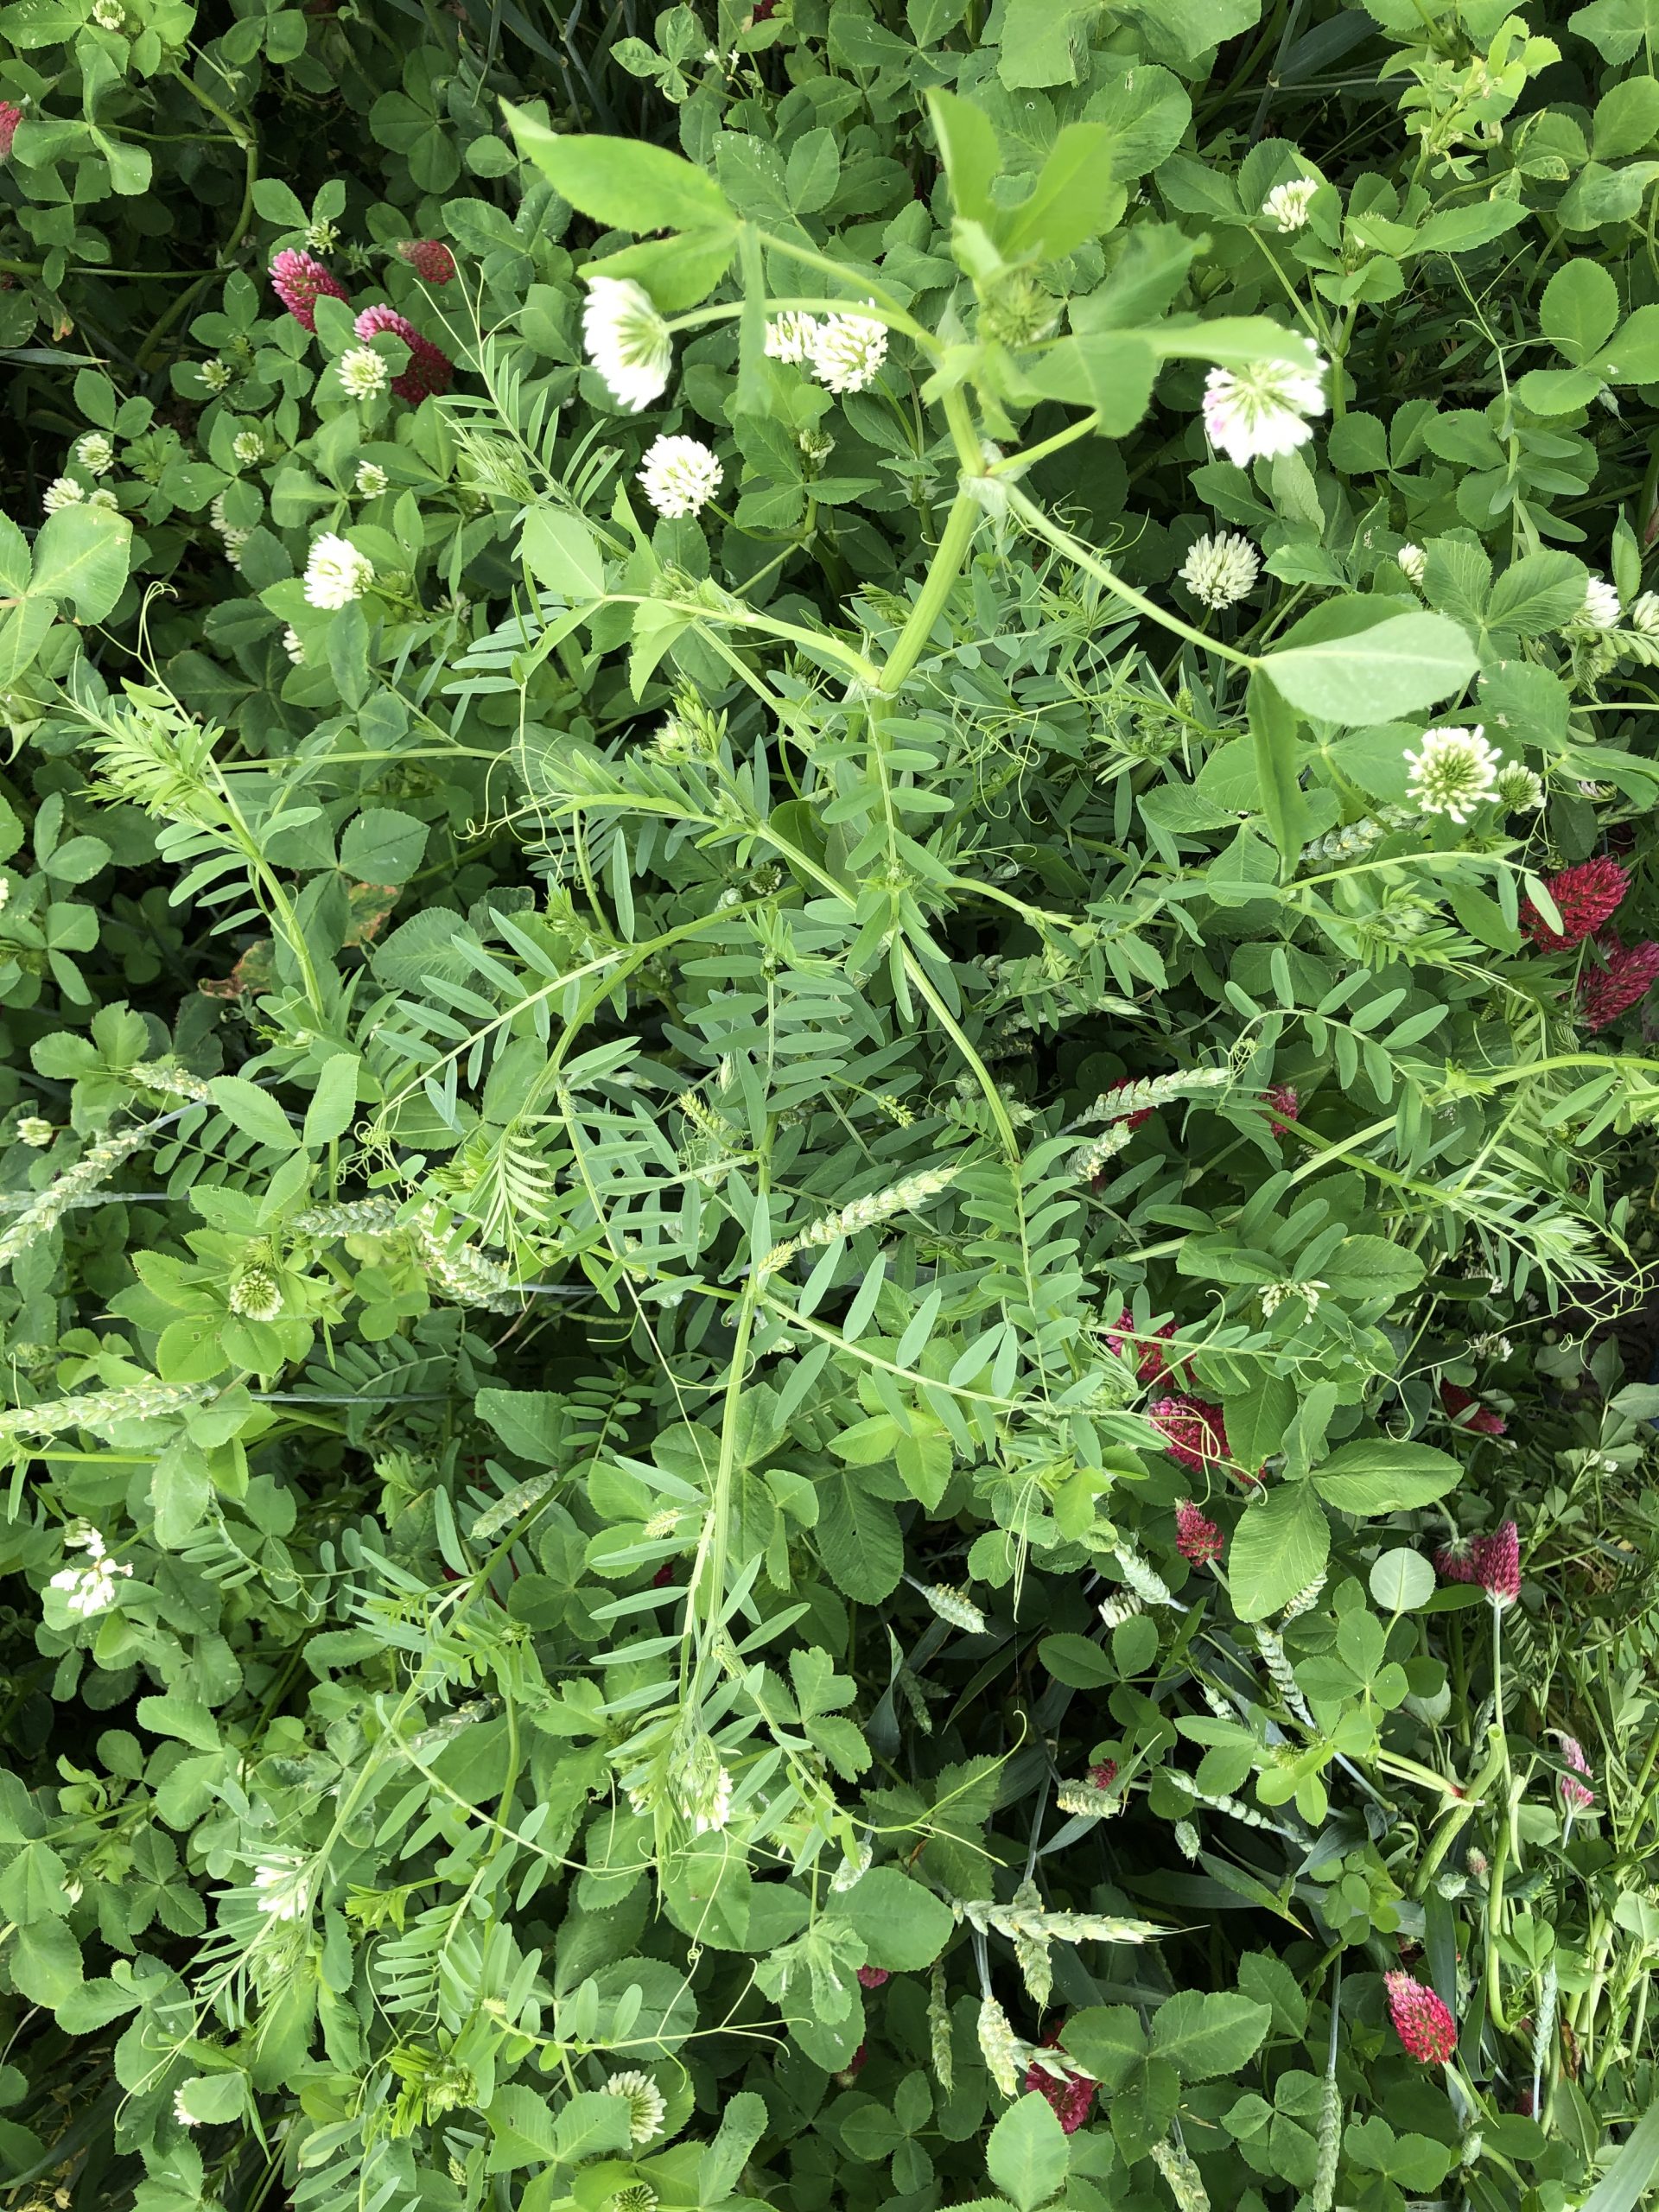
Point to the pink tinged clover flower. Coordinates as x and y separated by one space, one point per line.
1194 1430
430 370
1576 1794
10 116
1495 1564
1283 1097
1260 411
299 281
1605 993
1420 2020
429 258
1197 1537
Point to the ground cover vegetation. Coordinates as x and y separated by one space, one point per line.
829 913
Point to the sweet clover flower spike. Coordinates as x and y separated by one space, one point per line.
1605 993
299 281
1420 2020
429 258
847 351
1452 771
647 2107
628 340
430 371
1196 1538
1414 562
680 476
1286 206
1258 412
791 336
1585 897
1221 570
335 572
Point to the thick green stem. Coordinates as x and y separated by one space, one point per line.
930 601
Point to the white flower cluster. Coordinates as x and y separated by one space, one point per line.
844 352
247 449
647 2107
680 476
628 340
90 1589
1286 206
1220 569
35 1130
1414 562
230 536
362 373
96 453
371 478
335 572
1261 411
281 1886
1452 771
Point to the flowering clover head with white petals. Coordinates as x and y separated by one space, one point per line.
1286 205
647 2107
1414 562
790 336
1601 610
1519 789
96 453
90 1589
62 491
847 351
628 340
1219 571
680 476
336 573
1260 411
363 372
1452 771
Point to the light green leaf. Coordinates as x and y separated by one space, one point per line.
1578 309
1379 1476
1279 1546
82 554
334 1100
1400 1580
626 184
1273 742
1108 2039
905 1925
1027 2153
563 554
1075 1662
1204 2035
1399 667
254 1111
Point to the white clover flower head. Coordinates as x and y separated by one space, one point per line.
105 500
628 340
1220 569
681 476
363 372
255 1295
248 446
96 453
1452 771
1519 789
33 1130
335 572
1286 206
321 237
790 335
1645 613
90 1590
182 2112
216 375
847 351
1413 562
371 478
1601 610
293 646
281 1886
62 491
647 2107
109 15
1260 411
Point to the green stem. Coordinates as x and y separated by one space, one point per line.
937 585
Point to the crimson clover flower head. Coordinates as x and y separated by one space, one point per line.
429 258
1576 1794
1121 1340
1196 1538
1287 1107
1070 2096
1420 2020
1482 1420
299 281
1585 897
430 370
1496 1562
1194 1430
1605 993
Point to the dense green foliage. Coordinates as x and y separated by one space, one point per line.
808 1238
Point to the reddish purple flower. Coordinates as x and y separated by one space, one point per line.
1483 1421
429 258
1576 1794
1153 1365
1497 1563
1420 2020
10 117
1282 1096
1456 1560
1104 1775
1196 1538
1605 993
429 371
1070 2096
1585 897
872 1977
299 281
1141 1114
1194 1431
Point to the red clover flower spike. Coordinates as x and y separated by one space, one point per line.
1605 993
429 369
1497 1561
1196 1538
299 281
1576 1794
1420 2020
1585 897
